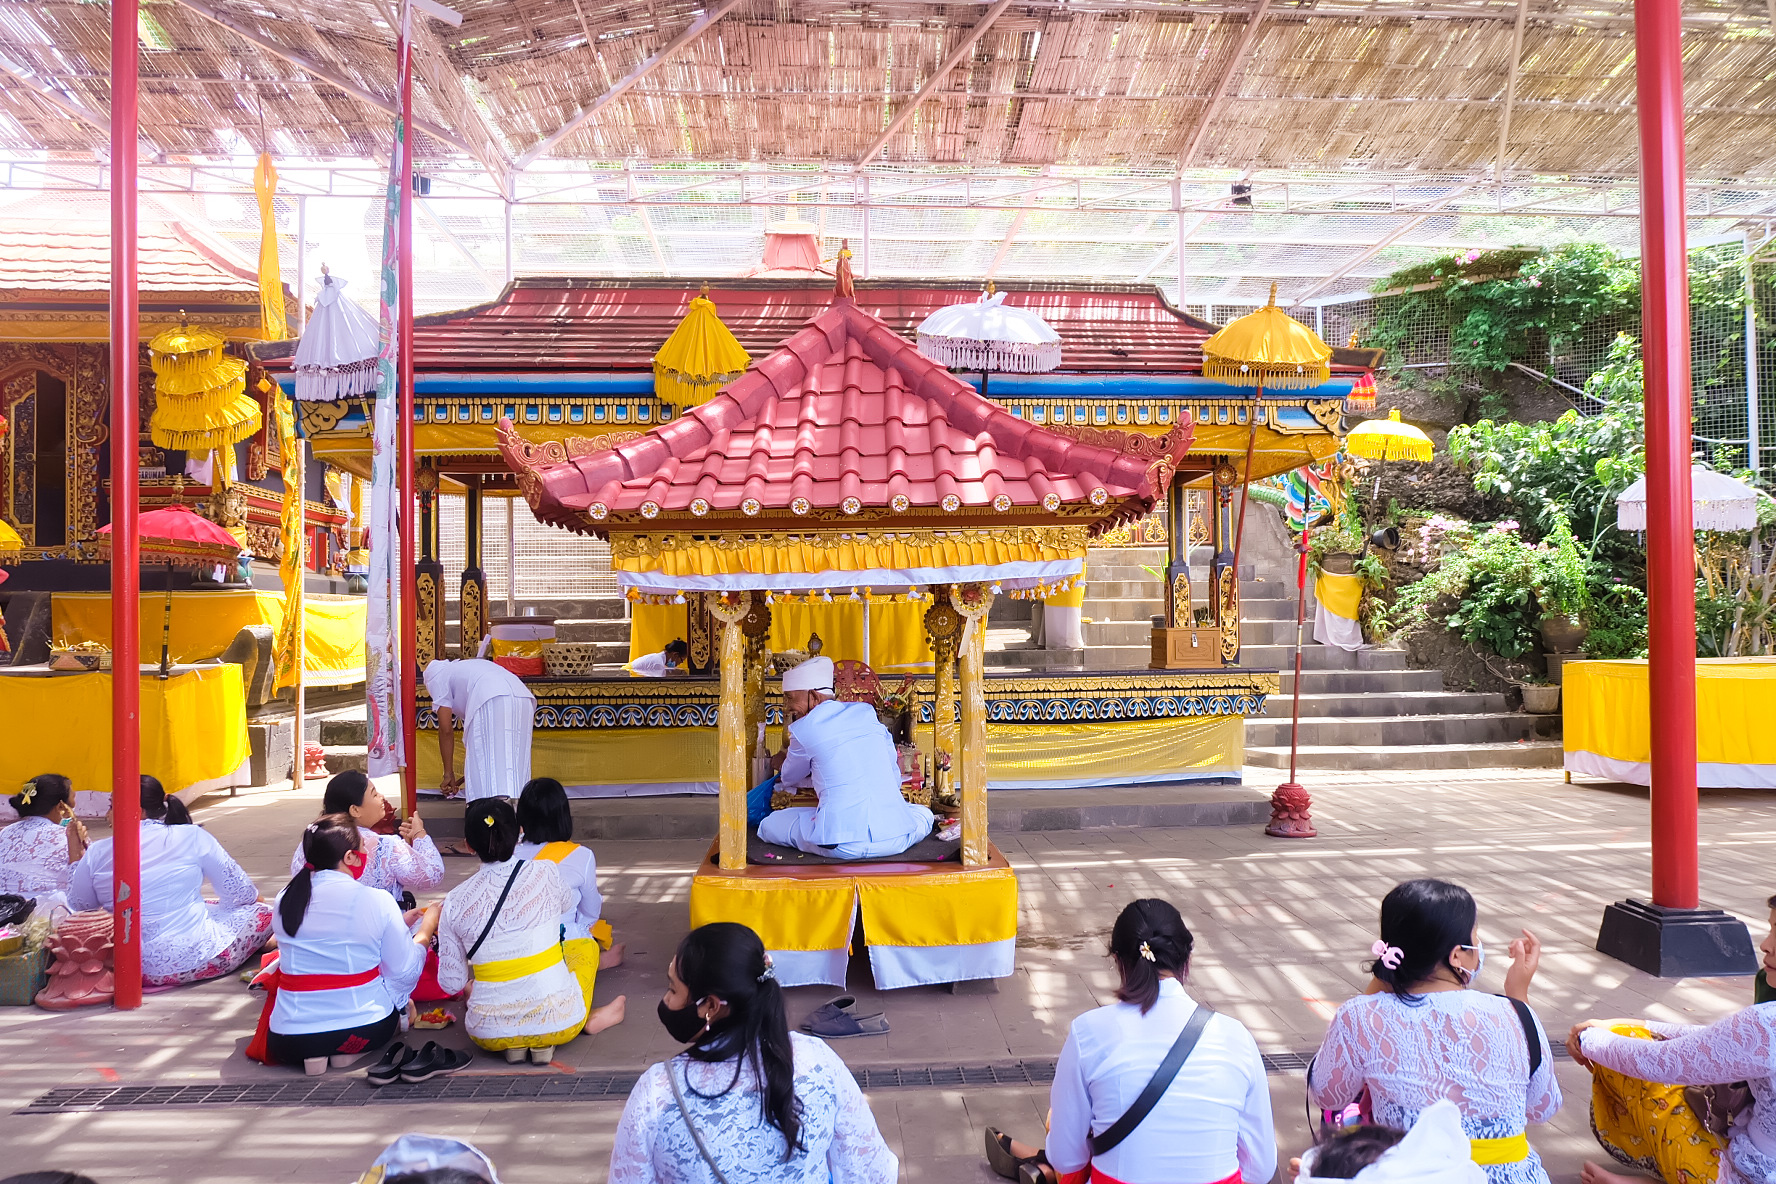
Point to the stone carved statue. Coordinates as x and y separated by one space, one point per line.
80 975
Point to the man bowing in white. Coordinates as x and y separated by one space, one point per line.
497 710
847 756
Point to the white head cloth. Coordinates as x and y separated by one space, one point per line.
434 670
814 674
419 1153
1434 1151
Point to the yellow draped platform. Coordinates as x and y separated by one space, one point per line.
617 762
194 729
205 624
1608 717
923 923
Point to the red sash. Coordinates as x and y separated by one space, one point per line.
277 981
1096 1177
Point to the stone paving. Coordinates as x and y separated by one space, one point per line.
1280 926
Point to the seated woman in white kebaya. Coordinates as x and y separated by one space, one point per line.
186 938
407 861
39 851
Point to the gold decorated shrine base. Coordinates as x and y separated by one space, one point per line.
615 736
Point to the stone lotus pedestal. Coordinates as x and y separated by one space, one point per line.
80 975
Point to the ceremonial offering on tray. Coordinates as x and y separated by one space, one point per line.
81 656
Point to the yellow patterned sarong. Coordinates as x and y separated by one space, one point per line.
581 956
1651 1127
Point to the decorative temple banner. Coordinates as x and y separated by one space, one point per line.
287 649
380 657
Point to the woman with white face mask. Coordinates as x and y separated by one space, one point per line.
1420 1034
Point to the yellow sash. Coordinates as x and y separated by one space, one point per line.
556 852
507 969
1510 1149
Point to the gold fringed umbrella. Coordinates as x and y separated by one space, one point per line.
1263 348
700 357
201 402
1388 439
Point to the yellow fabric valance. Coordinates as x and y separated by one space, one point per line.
897 642
689 555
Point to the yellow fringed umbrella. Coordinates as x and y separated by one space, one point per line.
201 401
1388 439
700 357
10 542
1263 348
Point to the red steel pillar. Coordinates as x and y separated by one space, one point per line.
126 681
1673 936
404 431
1671 564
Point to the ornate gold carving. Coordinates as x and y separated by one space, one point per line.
973 602
1229 615
1326 412
1070 538
267 542
319 417
699 634
428 614
730 729
593 445
1183 614
1127 443
472 612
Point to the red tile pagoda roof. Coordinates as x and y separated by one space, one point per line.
849 418
547 324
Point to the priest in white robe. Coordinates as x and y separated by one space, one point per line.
496 710
844 753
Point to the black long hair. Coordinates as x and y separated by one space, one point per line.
1425 920
1149 926
491 829
726 960
162 806
325 844
345 791
1352 1149
47 790
543 811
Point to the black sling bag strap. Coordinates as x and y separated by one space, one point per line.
1157 1084
1526 1017
494 915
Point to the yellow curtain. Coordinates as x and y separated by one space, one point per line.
897 630
1342 595
1607 710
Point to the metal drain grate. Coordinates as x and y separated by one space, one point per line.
519 1087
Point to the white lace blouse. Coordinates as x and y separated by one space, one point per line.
839 1135
529 922
34 859
1467 1046
1741 1047
180 932
393 865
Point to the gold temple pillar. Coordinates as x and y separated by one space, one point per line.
428 612
471 604
756 627
943 629
730 729
972 602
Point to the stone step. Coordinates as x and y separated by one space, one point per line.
1360 682
1426 702
346 733
1119 633
1112 589
1527 754
1033 659
344 757
592 629
1398 730
1277 656
1119 657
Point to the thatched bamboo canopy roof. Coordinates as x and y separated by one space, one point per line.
1543 87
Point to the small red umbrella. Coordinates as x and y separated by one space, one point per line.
177 537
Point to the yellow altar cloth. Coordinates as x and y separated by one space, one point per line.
205 624
194 728
924 923
624 762
1607 726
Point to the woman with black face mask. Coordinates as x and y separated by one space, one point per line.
748 1101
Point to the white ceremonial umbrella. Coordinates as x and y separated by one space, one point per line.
336 357
986 335
1717 501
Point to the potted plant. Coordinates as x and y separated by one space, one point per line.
1561 588
1334 548
1540 698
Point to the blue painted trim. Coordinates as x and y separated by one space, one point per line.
518 386
1135 386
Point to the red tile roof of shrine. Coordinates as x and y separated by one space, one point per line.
74 255
846 416
549 324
